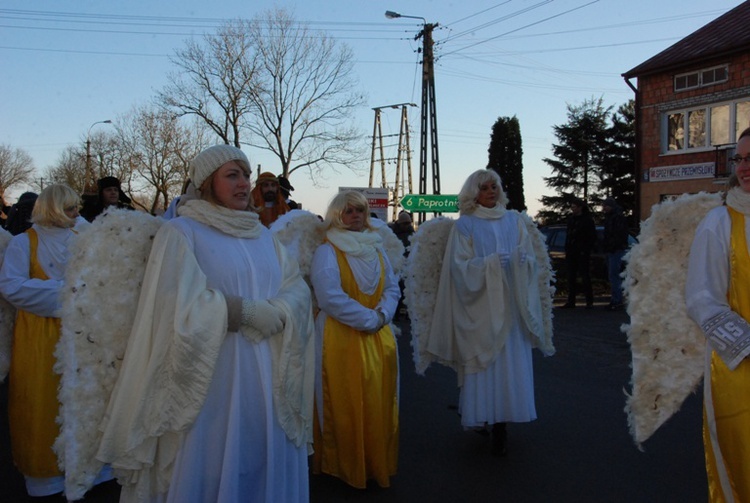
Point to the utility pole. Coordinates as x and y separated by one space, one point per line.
428 141
429 116
403 156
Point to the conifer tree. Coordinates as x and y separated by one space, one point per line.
505 157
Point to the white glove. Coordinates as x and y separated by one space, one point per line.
263 316
381 322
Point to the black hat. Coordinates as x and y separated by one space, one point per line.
111 181
284 184
27 198
108 181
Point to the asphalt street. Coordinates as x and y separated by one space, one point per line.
578 450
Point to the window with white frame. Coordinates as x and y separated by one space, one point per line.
701 78
704 127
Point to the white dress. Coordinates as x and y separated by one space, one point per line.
486 315
235 449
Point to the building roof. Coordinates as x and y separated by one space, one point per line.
725 35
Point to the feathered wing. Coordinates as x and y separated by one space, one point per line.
7 316
668 348
421 280
545 282
100 297
301 232
393 247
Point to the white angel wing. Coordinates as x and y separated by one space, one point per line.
102 285
7 316
301 232
392 246
668 347
421 279
546 283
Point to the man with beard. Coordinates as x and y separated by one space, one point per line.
268 199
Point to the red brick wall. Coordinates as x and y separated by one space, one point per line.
657 90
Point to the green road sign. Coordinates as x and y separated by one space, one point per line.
437 203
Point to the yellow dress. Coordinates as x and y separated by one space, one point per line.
32 391
730 389
359 438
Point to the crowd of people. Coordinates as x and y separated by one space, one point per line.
242 375
231 382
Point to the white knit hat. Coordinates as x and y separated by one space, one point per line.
212 159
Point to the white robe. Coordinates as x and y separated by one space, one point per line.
487 316
232 415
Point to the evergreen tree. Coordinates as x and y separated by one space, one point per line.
580 157
618 179
505 154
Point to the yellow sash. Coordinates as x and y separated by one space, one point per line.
32 391
359 439
730 389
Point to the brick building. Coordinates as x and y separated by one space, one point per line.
692 101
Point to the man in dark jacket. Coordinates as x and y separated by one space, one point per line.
615 246
579 242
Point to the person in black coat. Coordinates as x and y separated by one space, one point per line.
20 214
579 243
110 194
615 246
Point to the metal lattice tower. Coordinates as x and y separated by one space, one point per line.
402 160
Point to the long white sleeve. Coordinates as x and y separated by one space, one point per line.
37 296
331 298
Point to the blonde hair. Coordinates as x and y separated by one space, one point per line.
338 205
49 209
467 198
207 193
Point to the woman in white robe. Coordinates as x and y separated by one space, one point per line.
214 399
718 300
31 279
488 313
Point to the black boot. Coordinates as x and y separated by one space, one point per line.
499 439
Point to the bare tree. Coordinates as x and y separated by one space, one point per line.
16 167
289 88
70 169
156 147
304 96
214 81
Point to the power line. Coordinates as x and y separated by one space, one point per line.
524 27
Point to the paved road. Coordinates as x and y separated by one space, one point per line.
579 449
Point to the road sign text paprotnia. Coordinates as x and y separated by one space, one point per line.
438 203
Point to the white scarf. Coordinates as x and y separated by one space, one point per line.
357 244
739 200
489 213
240 224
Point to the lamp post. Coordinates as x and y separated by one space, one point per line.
428 141
88 187
395 15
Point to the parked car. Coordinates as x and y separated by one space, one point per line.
555 239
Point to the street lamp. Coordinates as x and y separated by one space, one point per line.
428 141
87 187
395 15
